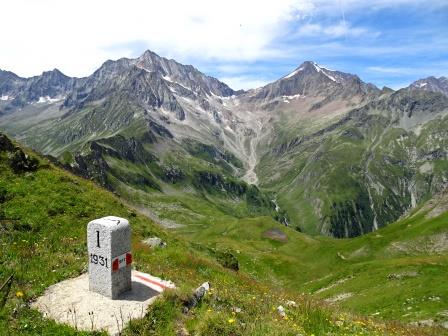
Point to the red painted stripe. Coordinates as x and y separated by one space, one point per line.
128 259
150 281
115 265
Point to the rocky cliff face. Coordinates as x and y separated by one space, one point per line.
340 156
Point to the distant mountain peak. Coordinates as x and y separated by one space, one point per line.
54 74
149 53
311 78
150 57
431 83
316 66
55 71
313 68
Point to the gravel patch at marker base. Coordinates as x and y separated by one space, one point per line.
70 302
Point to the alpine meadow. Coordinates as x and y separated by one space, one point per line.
313 204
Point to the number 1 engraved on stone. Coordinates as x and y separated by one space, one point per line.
97 239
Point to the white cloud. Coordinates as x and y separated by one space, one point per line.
77 36
434 69
341 29
392 70
227 37
371 5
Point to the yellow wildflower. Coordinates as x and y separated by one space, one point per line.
231 321
19 294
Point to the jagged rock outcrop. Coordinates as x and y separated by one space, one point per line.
18 160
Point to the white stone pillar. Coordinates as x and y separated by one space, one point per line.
110 258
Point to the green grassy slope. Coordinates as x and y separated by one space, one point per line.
365 172
140 170
44 213
383 271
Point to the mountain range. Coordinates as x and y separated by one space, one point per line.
319 150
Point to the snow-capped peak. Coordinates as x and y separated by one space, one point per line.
317 67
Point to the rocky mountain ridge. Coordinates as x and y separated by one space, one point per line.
431 83
310 79
343 157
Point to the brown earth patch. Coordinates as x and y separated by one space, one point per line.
276 234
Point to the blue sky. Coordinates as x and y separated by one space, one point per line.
388 46
244 43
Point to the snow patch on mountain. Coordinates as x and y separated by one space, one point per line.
324 71
295 72
185 87
222 97
293 97
143 68
48 99
286 99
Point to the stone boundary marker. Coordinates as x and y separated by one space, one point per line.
111 294
110 257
